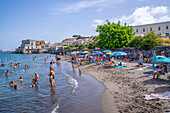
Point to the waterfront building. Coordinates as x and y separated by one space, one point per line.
28 46
68 42
162 28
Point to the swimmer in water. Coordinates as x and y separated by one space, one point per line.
26 66
15 66
16 86
12 83
45 60
7 72
36 78
51 63
2 65
33 83
20 79
18 64
51 76
11 64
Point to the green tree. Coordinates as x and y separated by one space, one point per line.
146 42
112 35
68 47
76 45
81 46
91 45
72 46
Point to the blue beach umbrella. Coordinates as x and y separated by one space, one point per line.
160 57
106 51
119 53
164 60
67 53
154 59
81 53
97 52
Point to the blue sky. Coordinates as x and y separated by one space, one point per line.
55 20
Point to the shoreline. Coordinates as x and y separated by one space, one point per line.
125 89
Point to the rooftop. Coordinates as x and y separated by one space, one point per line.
152 24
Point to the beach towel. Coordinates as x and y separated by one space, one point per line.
165 95
120 66
141 69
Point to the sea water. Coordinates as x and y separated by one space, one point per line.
73 92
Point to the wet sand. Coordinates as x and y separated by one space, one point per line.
125 89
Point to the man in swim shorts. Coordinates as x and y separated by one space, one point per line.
140 62
51 76
36 78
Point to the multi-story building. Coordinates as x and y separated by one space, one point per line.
162 28
69 42
28 46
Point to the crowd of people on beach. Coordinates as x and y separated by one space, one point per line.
116 61
35 81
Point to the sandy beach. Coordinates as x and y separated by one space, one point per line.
125 89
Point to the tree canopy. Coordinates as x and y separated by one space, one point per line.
81 46
112 35
68 47
146 42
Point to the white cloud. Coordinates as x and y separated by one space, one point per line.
145 15
97 22
76 7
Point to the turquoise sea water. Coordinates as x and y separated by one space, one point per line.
73 92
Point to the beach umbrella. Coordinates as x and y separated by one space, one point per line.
154 59
67 53
160 57
97 52
85 52
75 52
81 53
106 51
164 60
119 53
109 53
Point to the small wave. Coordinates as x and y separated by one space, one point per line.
55 109
73 82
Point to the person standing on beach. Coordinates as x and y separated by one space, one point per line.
140 62
51 76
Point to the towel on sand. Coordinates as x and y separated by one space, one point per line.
165 95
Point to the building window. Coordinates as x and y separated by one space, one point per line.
143 29
150 29
136 30
166 27
159 28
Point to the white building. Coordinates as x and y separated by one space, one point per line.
162 28
28 44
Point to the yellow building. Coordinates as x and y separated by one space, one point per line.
162 28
